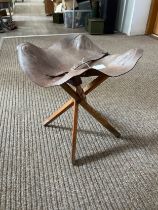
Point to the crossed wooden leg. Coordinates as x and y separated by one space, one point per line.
87 89
78 97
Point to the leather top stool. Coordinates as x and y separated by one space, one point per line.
79 57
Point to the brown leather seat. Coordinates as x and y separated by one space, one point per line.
74 56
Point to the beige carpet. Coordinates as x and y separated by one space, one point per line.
35 165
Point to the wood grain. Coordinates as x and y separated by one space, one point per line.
87 89
74 130
91 110
152 17
57 113
156 26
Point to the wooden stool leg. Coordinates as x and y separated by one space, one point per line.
57 113
91 110
100 118
87 89
74 130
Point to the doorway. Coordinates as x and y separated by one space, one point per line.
152 24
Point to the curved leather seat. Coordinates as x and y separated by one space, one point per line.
74 56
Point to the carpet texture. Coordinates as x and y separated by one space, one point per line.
35 164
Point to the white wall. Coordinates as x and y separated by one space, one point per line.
133 16
140 17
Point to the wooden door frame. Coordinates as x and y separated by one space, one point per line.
152 17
